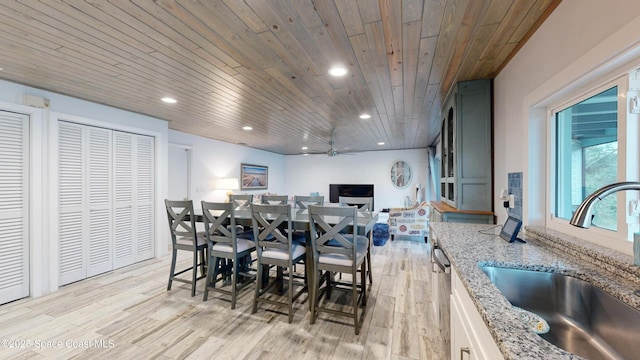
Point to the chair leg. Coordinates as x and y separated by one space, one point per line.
173 268
290 294
256 294
369 265
194 273
354 292
203 261
363 279
313 297
234 281
211 270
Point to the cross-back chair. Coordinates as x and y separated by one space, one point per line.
273 234
363 204
337 248
184 237
224 244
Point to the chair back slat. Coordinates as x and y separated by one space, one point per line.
181 220
272 226
303 202
323 232
275 199
240 201
219 223
363 203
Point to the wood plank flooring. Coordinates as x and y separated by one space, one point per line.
128 313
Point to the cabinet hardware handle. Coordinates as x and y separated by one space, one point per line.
464 350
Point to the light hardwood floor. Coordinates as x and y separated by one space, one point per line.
129 314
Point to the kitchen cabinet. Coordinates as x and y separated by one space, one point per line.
465 140
470 337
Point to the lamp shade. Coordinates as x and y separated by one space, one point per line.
227 184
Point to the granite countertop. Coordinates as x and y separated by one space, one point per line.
545 250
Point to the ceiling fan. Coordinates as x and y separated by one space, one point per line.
332 152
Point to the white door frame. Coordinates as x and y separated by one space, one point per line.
189 150
37 200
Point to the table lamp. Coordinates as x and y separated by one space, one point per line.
228 184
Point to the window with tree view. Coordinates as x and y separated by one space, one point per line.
587 155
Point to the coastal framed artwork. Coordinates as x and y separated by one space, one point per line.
254 177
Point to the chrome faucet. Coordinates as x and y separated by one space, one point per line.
583 215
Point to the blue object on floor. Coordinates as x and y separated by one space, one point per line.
380 234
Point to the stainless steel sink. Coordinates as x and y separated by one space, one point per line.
583 319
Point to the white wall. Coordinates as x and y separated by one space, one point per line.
212 159
579 43
298 174
312 173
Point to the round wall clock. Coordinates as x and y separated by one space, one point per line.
401 174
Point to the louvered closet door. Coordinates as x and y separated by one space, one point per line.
144 189
99 148
14 202
71 192
123 211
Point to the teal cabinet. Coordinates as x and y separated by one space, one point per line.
466 149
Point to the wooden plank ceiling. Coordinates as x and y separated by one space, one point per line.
264 63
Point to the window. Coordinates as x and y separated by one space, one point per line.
587 155
593 146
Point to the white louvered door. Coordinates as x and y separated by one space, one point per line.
134 188
123 181
14 206
71 193
106 187
144 190
99 149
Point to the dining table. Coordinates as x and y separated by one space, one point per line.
300 221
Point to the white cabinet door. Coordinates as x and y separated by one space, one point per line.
470 337
14 206
461 345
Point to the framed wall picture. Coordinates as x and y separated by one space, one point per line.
254 177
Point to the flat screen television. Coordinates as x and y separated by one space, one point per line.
355 190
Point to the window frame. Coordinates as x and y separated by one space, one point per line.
619 239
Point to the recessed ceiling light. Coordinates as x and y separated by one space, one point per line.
169 100
381 143
365 116
247 128
337 71
305 147
1 69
